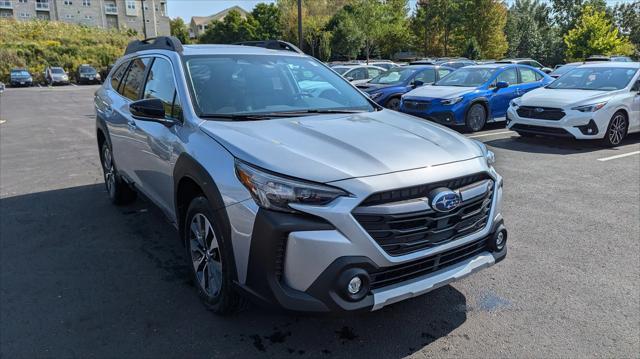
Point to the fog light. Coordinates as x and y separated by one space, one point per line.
500 241
354 285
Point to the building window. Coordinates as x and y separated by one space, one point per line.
131 5
88 17
68 2
22 1
25 15
68 16
86 2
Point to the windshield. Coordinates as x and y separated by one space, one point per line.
265 84
57 70
87 70
563 69
396 75
467 77
341 70
19 73
595 78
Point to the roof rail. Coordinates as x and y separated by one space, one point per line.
273 45
170 43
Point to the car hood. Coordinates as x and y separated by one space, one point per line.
20 77
369 87
439 91
544 97
326 148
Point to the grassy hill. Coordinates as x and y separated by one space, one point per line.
38 44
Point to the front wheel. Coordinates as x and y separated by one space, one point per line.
476 117
617 129
393 104
210 259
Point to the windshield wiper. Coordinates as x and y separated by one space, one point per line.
270 115
248 117
302 112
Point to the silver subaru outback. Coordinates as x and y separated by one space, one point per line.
288 185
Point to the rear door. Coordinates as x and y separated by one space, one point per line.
154 161
499 102
129 91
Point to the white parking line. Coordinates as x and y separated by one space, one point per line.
491 134
72 84
619 156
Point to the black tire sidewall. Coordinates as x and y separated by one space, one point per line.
226 300
390 101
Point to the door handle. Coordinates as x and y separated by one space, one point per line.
132 125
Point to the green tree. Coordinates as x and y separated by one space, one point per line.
567 12
472 50
395 31
595 34
485 20
368 15
530 32
627 18
179 29
346 39
267 17
230 30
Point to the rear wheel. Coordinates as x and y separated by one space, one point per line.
210 258
476 117
118 190
617 129
393 104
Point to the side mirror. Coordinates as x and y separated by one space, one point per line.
350 79
418 83
502 85
636 87
150 110
546 70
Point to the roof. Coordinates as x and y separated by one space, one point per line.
355 66
202 20
491 66
624 65
213 49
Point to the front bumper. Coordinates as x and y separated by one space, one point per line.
16 83
574 124
298 262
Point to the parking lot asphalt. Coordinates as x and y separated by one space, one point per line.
82 278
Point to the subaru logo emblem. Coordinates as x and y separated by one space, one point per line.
444 200
539 109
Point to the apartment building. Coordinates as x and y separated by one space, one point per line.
148 16
199 24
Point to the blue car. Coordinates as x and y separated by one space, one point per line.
386 88
473 95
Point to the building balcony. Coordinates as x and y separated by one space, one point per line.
6 4
111 9
42 6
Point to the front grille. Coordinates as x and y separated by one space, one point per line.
279 264
541 113
415 105
403 272
541 130
403 233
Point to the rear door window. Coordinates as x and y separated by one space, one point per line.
426 76
443 72
118 74
509 76
135 78
373 72
527 75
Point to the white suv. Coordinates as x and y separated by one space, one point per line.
593 101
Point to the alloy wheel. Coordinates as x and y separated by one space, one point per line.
205 255
617 130
476 117
109 170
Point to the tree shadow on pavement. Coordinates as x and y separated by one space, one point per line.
556 146
80 277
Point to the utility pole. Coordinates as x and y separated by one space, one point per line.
144 21
300 24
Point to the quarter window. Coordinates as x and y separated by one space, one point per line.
443 72
118 74
160 85
509 76
527 75
135 78
373 72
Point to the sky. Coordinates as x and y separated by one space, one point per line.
188 8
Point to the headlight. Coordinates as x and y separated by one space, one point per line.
376 95
98 76
590 108
489 156
451 101
515 103
274 192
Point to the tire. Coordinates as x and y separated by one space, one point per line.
210 258
119 191
616 130
393 103
476 117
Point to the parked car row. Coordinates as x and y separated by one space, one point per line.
55 75
599 100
